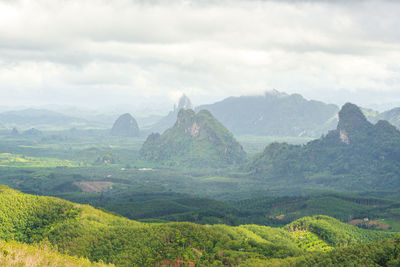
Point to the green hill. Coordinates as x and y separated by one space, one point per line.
83 231
357 156
382 253
18 254
197 140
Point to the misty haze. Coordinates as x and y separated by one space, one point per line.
199 133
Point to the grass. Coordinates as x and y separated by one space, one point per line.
309 241
19 161
17 254
394 224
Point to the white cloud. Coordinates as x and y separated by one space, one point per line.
124 51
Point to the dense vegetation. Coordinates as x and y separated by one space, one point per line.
196 140
40 255
217 213
358 156
83 231
105 172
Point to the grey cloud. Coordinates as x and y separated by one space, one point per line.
135 49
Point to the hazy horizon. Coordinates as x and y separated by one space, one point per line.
102 55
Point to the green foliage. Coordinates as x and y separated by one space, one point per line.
196 140
382 253
336 233
40 255
358 156
21 161
86 232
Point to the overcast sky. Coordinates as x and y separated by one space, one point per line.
99 53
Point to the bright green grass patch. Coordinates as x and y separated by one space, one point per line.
310 241
13 160
17 254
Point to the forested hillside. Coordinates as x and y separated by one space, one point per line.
357 156
86 232
196 140
16 254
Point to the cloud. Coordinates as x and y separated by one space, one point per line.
125 51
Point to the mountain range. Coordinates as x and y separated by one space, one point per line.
358 155
44 120
274 114
392 116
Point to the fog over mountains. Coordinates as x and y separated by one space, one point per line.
272 114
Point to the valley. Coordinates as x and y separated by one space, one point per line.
197 133
197 182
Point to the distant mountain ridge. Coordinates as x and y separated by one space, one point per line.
43 119
392 116
274 113
195 140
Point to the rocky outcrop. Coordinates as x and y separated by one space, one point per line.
194 140
169 120
125 125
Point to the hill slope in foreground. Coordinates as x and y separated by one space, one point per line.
18 254
83 231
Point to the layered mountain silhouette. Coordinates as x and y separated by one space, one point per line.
358 154
392 116
33 132
125 125
169 120
275 113
44 119
196 140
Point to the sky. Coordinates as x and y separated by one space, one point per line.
145 54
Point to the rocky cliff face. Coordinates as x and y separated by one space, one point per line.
195 140
184 103
169 120
358 154
351 122
125 125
